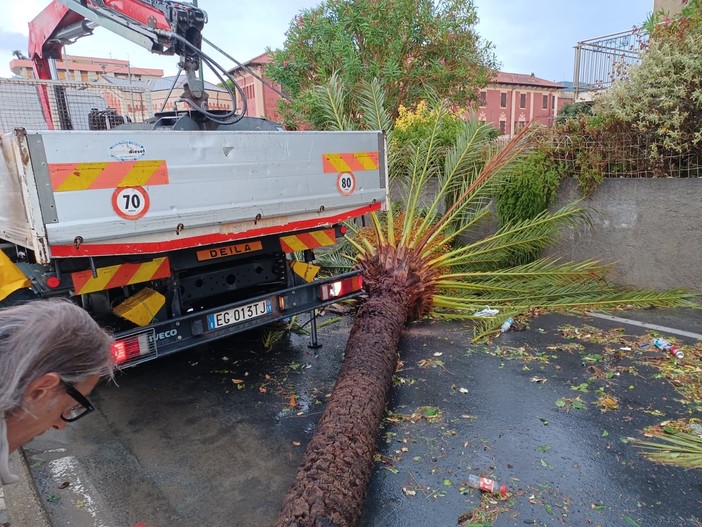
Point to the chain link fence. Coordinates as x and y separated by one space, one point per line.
59 105
619 150
622 157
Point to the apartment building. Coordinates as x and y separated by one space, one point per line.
74 68
509 102
512 100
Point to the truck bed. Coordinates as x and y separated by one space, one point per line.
70 194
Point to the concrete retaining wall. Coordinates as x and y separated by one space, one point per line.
652 228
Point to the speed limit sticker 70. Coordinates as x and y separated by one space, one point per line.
346 183
130 203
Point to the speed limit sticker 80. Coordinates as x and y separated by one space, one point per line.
346 183
130 203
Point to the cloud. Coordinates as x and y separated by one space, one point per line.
11 40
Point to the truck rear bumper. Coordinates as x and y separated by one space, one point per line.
197 328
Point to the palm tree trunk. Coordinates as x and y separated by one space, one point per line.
331 483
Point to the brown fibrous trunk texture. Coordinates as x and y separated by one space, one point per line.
331 483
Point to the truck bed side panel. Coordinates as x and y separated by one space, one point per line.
190 186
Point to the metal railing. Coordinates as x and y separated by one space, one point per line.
601 61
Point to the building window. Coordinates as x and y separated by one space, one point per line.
483 99
518 125
503 127
503 100
522 100
545 103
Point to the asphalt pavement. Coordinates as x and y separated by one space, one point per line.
212 437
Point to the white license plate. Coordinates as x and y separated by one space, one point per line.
239 314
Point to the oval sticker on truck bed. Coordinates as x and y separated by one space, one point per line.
127 151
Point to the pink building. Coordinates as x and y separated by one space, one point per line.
512 100
261 100
509 102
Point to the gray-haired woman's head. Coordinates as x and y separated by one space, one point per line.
45 336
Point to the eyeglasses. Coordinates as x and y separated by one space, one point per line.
83 407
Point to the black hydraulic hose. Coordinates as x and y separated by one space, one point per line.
175 81
230 117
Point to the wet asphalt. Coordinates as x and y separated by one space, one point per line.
212 437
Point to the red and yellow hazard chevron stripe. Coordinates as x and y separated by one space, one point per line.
307 240
349 162
107 174
119 275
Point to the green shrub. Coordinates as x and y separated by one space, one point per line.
413 126
530 188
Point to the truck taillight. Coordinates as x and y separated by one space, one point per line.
133 347
340 288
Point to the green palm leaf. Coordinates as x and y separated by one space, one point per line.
331 99
371 99
681 449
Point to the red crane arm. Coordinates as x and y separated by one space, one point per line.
58 25
166 27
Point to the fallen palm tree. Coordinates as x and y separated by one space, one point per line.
413 267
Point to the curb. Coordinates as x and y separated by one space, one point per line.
4 515
23 504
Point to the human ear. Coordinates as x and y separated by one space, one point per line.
41 387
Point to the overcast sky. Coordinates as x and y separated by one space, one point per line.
530 36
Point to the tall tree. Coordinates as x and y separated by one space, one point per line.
410 44
412 267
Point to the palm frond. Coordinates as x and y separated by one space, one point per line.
467 222
421 172
331 98
371 99
528 235
502 158
462 167
550 267
359 242
377 227
336 260
681 449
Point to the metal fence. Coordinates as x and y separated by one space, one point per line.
623 155
601 61
58 105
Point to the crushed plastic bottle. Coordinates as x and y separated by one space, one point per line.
486 485
504 328
666 345
487 312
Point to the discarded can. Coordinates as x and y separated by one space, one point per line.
504 328
666 345
486 485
